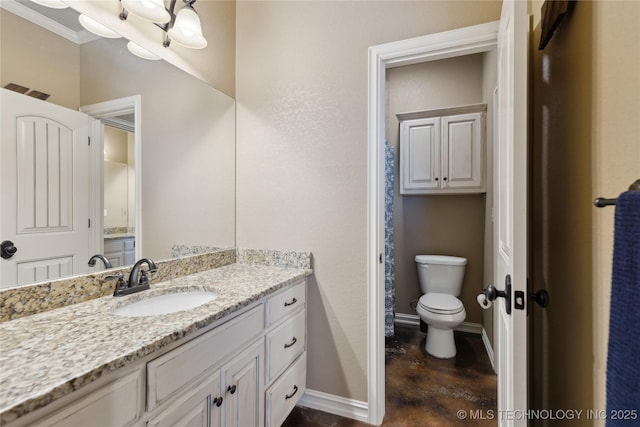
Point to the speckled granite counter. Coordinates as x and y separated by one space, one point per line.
118 236
48 355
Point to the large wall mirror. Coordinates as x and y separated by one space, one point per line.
186 162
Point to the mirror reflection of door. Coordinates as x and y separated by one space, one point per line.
119 191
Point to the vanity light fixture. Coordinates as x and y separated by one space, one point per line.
97 28
149 10
184 27
141 52
186 30
53 4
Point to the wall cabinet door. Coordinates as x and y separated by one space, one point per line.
420 155
462 157
244 389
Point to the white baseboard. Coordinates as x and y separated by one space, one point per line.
349 408
489 348
407 319
414 320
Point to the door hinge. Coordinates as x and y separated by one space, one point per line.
89 222
89 140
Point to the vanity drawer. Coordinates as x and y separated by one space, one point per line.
286 302
284 344
283 395
170 373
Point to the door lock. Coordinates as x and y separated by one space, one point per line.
7 249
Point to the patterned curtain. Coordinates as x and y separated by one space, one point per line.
389 261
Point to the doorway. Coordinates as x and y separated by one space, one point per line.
450 44
122 114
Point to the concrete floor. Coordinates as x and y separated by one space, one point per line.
424 391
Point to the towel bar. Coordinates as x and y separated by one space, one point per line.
601 202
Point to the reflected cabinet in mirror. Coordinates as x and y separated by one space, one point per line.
63 198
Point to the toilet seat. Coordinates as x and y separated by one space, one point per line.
440 303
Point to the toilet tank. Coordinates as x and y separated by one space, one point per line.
440 273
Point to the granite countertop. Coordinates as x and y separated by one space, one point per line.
112 236
48 355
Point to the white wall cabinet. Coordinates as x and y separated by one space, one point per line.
218 379
442 155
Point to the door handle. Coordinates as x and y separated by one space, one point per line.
492 293
7 249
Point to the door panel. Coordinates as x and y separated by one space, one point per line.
44 205
510 211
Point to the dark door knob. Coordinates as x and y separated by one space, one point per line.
7 249
541 298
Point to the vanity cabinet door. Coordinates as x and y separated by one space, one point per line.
244 389
191 409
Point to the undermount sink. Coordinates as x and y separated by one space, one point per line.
165 304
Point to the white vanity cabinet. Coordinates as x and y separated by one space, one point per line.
249 371
286 356
443 154
120 251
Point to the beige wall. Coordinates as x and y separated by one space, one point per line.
448 225
615 150
188 149
301 86
26 50
586 93
116 145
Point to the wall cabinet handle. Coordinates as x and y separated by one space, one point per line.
293 341
293 393
218 401
293 301
231 389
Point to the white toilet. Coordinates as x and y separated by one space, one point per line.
441 282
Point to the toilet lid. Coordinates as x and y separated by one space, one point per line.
441 303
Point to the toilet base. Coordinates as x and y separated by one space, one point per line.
440 343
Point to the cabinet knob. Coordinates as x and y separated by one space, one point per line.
437 178
231 389
218 401
444 179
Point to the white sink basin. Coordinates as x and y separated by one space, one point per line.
165 304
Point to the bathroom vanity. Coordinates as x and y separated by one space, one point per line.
239 360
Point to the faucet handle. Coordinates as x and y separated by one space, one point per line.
144 280
120 285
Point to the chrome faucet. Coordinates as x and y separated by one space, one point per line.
105 261
138 280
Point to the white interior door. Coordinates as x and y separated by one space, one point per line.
510 213
44 204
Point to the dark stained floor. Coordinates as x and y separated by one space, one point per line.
424 391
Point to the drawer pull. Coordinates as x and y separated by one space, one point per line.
293 301
231 389
293 393
218 401
293 341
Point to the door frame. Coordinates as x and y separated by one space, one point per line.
105 110
449 44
